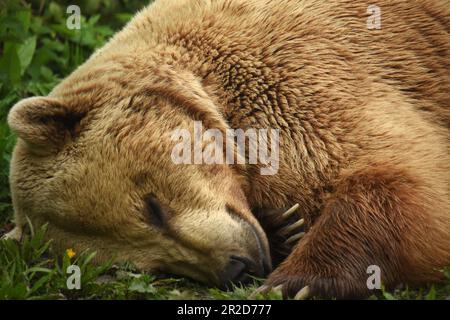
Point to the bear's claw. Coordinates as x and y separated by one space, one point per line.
295 237
302 294
290 211
287 230
14 234
265 289
284 227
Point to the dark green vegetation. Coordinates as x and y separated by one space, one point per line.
36 51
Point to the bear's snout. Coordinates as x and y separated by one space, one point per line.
257 262
241 270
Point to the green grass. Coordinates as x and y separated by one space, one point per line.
37 51
32 270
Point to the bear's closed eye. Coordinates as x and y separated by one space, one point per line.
154 211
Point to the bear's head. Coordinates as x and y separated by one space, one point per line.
94 161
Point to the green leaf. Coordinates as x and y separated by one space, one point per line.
141 287
24 17
93 20
88 259
432 294
47 73
26 52
55 10
20 291
388 296
446 272
43 280
38 269
10 63
124 17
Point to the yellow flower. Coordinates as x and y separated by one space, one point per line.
70 253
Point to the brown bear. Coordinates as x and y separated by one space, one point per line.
359 95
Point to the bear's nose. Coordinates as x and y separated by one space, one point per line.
241 270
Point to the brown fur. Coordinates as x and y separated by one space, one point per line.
364 119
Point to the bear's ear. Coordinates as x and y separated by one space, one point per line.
43 123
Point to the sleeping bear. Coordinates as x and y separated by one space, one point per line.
359 99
